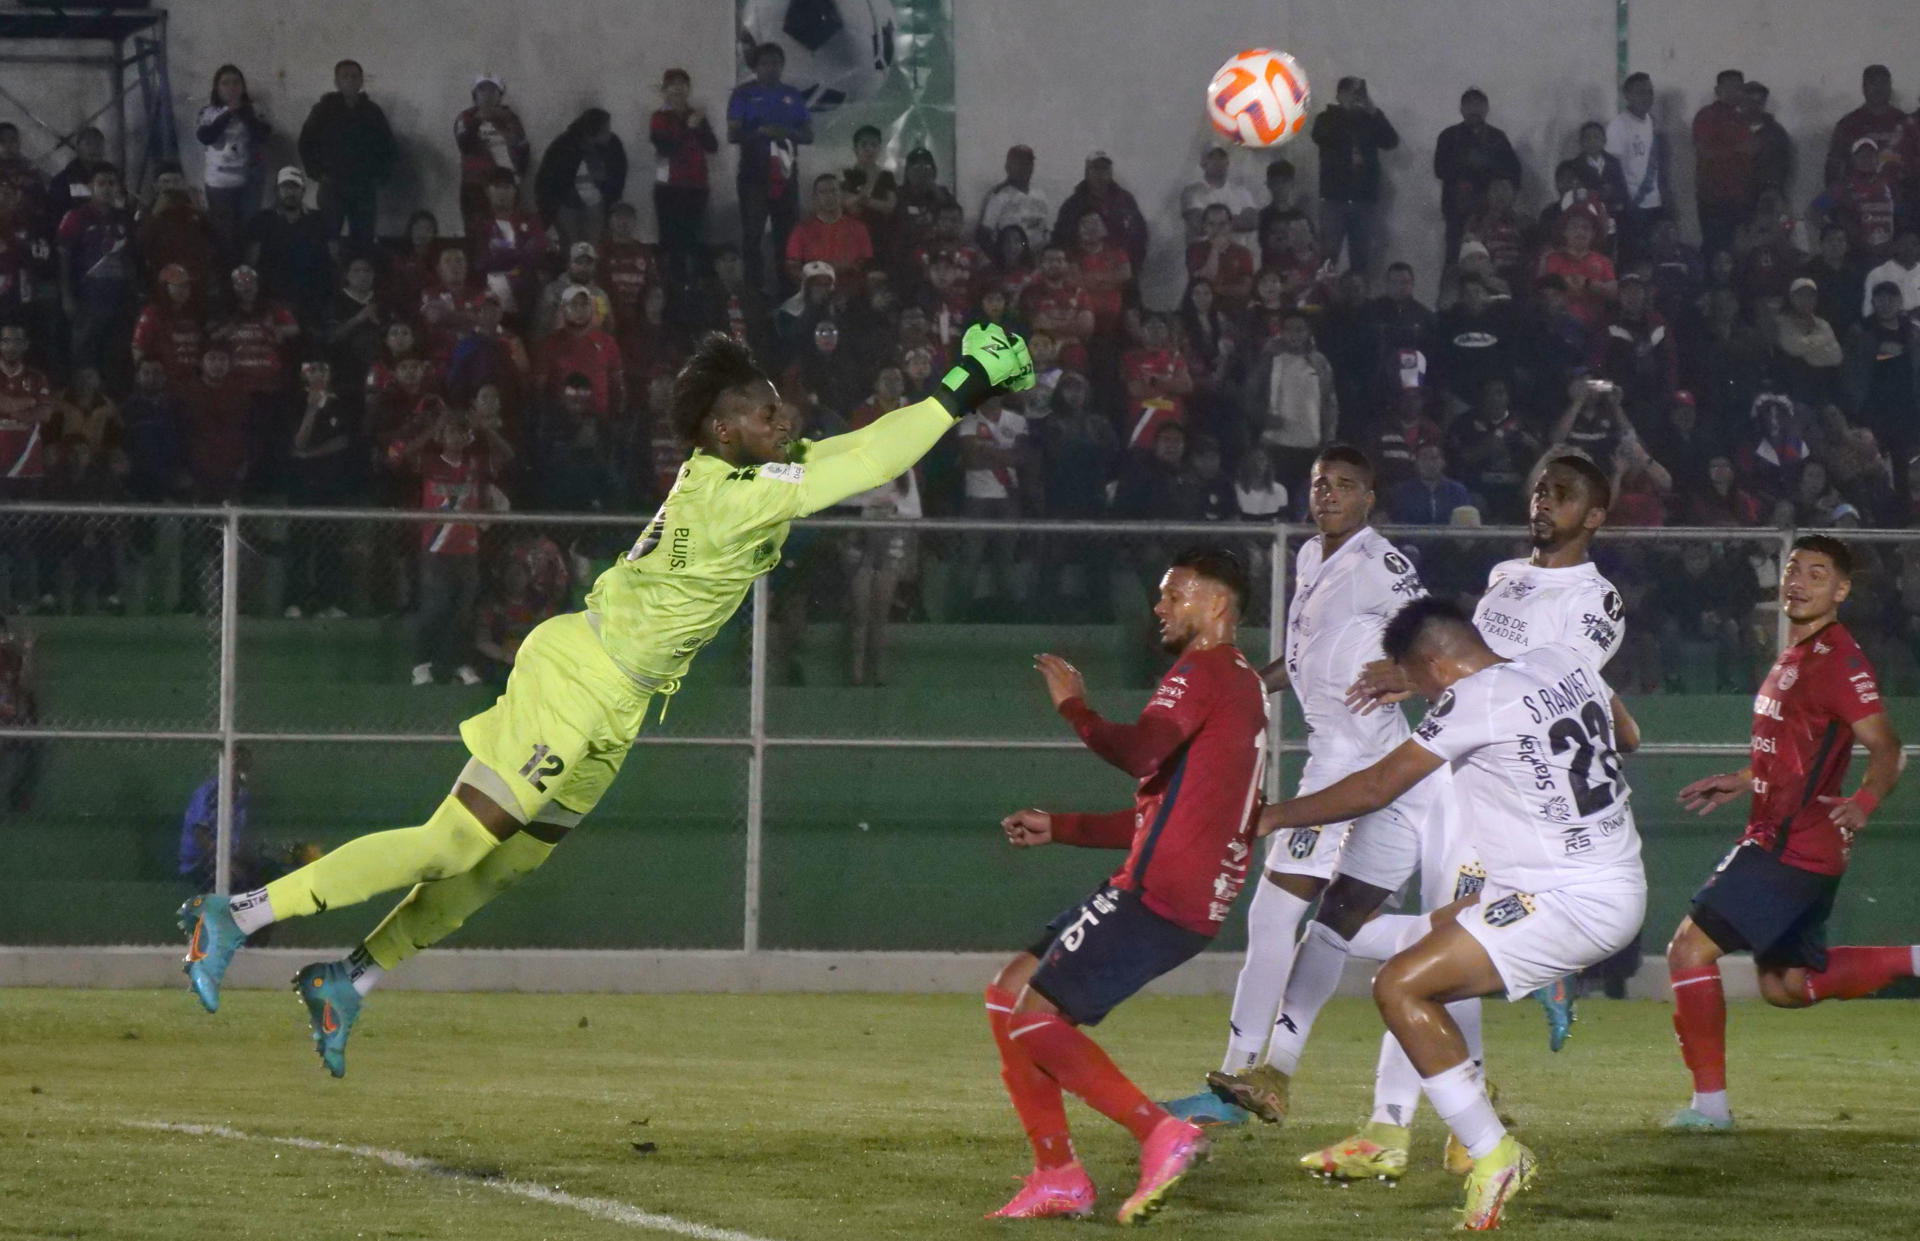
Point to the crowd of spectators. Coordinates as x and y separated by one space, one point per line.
251 338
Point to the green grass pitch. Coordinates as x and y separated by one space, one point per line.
810 1118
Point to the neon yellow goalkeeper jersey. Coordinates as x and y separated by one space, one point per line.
722 526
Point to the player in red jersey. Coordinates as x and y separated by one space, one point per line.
1198 750
1773 894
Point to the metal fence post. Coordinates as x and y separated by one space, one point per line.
1276 649
1781 623
756 764
229 652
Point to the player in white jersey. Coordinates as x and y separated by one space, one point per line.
1554 597
1537 778
1348 580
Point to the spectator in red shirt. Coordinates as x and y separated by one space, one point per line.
1118 210
1588 273
581 348
1865 202
1896 136
583 269
1222 260
1723 502
508 244
169 330
457 459
254 335
26 409
629 266
682 140
505 618
175 230
1013 265
949 241
1504 231
1102 270
219 429
1054 301
1396 445
448 304
1156 374
491 139
829 235
1724 145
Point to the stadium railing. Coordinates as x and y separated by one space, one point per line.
758 808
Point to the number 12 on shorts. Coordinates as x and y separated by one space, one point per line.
543 766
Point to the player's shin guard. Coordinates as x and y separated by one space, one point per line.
1272 920
1700 1022
1077 1063
1317 965
449 843
1460 1097
435 910
1854 972
1036 1097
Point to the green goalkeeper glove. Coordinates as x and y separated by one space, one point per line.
992 360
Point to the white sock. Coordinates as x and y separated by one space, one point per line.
364 971
1317 965
1386 935
1396 1085
1713 1105
1466 1015
251 910
1272 920
1915 950
1460 1097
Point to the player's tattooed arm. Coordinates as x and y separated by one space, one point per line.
1363 792
1379 682
1713 792
1884 761
1274 676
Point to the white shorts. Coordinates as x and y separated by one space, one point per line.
1535 937
1382 849
1449 865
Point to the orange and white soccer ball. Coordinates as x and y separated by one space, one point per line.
1258 99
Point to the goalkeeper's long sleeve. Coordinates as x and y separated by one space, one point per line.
846 465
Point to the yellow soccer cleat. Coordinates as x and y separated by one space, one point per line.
1261 1089
1456 1160
1505 1170
1377 1153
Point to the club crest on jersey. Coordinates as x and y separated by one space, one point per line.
1789 675
1507 910
1301 842
1516 590
1470 881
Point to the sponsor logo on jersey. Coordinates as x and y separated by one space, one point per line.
1603 632
1529 746
1577 840
1821 648
1396 563
1613 823
1556 809
1300 844
1517 590
1769 707
784 472
1431 726
1788 676
1507 910
1500 625
1613 606
1408 585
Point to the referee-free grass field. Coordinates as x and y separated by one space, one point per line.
833 1118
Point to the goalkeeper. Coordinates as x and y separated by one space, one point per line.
545 753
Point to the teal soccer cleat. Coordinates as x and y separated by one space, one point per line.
212 939
1688 1118
1208 1110
332 1006
1557 998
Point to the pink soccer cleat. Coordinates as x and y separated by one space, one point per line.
1172 1150
1063 1192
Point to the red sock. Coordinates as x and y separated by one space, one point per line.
1700 1020
1036 1097
1854 972
1078 1064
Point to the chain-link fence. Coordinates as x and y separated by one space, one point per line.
212 695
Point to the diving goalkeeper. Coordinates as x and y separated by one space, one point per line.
547 750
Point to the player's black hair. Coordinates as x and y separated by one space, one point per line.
1217 564
1833 549
1347 454
1404 630
1599 486
1727 75
1473 94
719 364
1634 79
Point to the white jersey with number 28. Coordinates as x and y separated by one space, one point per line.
1537 782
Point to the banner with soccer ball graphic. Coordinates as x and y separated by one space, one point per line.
885 63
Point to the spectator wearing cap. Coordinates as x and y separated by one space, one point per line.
583 171
1013 202
580 347
1882 371
1475 260
1466 158
172 229
1812 354
768 120
1723 145
288 246
682 140
829 235
1099 193
1351 133
1894 134
1902 270
794 322
348 148
915 208
1634 138
1865 201
583 265
507 244
1635 350
1215 186
169 329
234 132
489 137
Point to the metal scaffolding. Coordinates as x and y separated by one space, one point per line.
134 57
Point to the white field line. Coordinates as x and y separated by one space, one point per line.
599 1208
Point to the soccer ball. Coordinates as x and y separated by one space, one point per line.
1258 99
838 51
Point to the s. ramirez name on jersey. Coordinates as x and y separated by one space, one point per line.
1563 697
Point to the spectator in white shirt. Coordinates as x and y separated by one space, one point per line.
1634 140
1214 187
1014 202
993 448
1903 270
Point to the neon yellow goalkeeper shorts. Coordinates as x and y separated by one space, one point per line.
556 738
